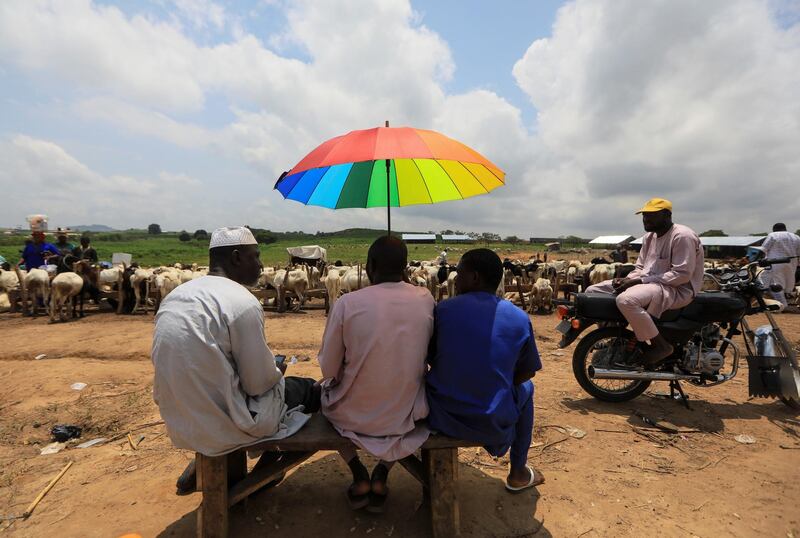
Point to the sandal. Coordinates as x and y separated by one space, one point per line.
537 478
377 501
356 501
360 475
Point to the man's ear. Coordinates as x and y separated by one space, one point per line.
236 258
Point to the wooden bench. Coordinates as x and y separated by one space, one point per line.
224 482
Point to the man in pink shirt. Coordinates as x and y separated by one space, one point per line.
668 275
373 365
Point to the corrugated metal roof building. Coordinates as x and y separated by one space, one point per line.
722 247
419 238
457 238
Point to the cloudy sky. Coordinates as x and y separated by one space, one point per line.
184 112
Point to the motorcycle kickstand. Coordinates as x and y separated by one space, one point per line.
675 385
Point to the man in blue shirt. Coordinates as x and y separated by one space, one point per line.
34 254
482 358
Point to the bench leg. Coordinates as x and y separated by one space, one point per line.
442 469
212 516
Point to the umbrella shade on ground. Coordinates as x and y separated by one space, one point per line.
424 167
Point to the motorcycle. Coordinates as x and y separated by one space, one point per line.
607 361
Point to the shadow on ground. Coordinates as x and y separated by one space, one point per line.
702 415
311 502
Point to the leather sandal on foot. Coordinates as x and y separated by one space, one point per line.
377 501
356 501
537 478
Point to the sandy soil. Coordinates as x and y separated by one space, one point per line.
610 482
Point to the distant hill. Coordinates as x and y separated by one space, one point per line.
91 228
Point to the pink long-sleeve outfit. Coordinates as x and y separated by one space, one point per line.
373 361
671 269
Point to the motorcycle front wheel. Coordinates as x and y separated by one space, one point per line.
596 349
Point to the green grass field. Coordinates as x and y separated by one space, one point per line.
167 249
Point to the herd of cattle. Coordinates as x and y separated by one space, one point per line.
533 284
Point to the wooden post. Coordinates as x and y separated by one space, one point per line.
521 295
359 276
212 516
13 297
442 475
237 467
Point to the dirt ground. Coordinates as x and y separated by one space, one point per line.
613 481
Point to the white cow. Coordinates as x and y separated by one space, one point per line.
350 280
142 276
333 284
110 279
295 280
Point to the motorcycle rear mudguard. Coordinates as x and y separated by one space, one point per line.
569 333
773 377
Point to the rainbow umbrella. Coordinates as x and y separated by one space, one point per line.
415 166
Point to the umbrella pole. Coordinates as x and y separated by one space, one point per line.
388 201
388 197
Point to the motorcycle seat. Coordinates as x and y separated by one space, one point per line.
715 306
598 306
602 306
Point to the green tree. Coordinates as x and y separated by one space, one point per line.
154 229
571 240
200 234
265 238
713 233
184 236
513 239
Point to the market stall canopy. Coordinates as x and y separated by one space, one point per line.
308 252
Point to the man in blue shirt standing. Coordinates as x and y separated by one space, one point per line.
35 254
482 358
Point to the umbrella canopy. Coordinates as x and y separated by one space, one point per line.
418 167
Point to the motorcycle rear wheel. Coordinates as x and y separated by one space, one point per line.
611 390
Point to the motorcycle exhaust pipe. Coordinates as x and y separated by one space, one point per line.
606 373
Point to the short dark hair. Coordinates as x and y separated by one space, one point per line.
85 238
389 255
779 227
486 263
220 255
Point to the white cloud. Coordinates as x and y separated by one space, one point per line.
691 100
202 13
694 101
72 193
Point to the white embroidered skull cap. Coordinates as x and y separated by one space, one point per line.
228 237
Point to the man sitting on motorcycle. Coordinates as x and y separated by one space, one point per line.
668 275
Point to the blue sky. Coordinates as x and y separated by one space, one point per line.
183 112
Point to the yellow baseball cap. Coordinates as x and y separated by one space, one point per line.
656 204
